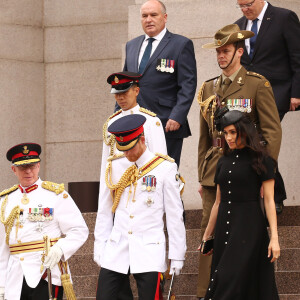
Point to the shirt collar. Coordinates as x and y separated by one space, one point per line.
262 13
131 111
158 37
144 158
232 76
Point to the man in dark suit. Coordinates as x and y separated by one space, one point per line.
167 63
275 53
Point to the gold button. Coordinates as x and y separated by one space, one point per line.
19 241
131 216
130 232
21 258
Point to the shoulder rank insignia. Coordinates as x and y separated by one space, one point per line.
53 187
147 111
10 190
255 74
166 157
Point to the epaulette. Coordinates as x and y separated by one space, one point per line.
10 190
212 79
114 114
255 74
115 156
166 157
147 111
53 187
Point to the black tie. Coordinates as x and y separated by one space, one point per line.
146 55
253 39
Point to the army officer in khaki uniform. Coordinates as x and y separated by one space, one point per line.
237 89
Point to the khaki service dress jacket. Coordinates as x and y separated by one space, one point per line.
249 92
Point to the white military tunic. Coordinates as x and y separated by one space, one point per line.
67 220
135 237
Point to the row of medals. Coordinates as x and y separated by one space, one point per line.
243 105
165 65
38 215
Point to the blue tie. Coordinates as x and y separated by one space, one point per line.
146 55
253 39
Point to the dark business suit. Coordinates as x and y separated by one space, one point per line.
169 95
277 56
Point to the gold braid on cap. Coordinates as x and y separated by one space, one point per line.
110 141
10 220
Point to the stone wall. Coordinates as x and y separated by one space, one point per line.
55 57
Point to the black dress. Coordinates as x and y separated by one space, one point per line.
241 269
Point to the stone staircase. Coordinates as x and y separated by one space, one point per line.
85 271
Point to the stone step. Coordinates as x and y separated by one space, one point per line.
85 271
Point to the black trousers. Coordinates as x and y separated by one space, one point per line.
110 284
40 292
174 147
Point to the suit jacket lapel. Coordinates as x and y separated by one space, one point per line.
265 24
163 43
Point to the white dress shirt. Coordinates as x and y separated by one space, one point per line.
155 43
250 22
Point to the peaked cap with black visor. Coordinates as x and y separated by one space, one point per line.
127 131
24 154
122 81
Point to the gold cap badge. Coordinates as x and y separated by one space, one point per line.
25 150
121 139
240 35
116 79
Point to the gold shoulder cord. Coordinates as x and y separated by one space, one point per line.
9 221
129 178
111 140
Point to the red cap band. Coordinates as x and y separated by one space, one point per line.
31 153
131 136
124 80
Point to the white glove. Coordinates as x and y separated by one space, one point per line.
176 266
1 293
96 260
53 257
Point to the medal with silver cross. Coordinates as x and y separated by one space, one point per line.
149 201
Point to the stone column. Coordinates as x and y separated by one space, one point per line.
22 79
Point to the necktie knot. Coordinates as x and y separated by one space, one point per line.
226 84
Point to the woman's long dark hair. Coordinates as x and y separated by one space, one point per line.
250 138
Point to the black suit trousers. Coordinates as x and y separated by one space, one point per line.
110 284
41 291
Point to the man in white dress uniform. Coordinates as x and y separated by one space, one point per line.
31 211
129 232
